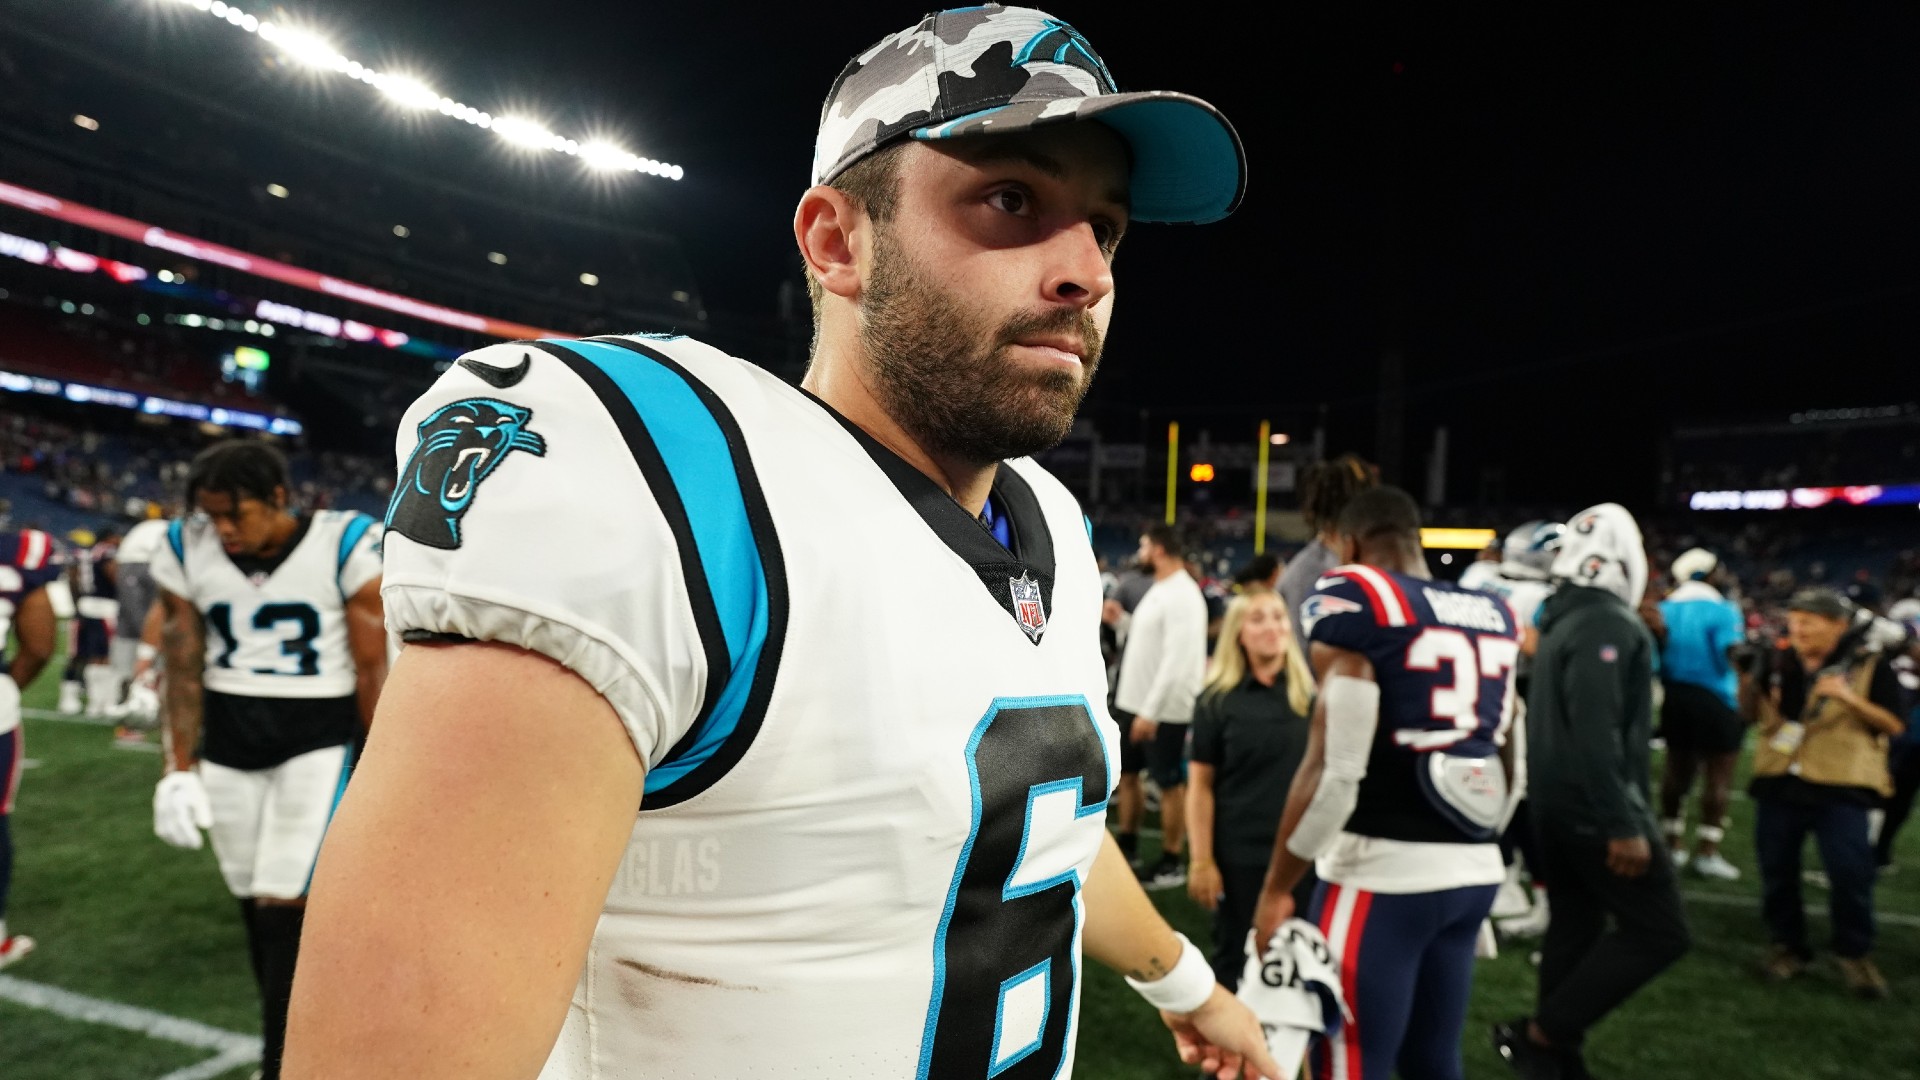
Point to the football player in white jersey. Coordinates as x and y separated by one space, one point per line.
800 768
135 641
275 650
1520 576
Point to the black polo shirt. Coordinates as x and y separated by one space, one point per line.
1254 741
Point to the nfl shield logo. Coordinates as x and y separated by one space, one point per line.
1027 609
257 579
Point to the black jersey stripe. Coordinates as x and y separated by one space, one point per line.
653 468
773 566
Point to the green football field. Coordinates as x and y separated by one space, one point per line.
123 919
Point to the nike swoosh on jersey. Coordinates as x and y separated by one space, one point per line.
499 377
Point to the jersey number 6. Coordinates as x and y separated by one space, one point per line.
1006 952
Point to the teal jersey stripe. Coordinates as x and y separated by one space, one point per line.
339 792
350 536
700 462
349 539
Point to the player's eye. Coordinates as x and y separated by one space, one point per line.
1011 200
1106 234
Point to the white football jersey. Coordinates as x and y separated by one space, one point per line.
1479 573
1524 595
143 542
878 757
281 633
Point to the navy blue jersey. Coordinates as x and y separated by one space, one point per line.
26 565
1444 657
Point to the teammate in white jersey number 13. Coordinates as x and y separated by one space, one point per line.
275 650
752 731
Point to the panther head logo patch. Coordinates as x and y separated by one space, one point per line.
460 445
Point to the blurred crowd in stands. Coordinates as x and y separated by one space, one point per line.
60 476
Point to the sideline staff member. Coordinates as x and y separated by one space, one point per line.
1249 734
1826 718
1589 717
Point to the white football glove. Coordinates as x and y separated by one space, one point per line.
143 702
181 810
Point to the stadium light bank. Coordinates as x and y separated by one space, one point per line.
311 50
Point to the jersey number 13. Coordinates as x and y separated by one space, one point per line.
292 626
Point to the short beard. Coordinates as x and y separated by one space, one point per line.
941 371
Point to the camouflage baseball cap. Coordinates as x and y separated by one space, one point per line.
993 69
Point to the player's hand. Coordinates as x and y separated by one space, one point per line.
181 809
1223 1037
1629 857
1273 909
1204 885
1144 728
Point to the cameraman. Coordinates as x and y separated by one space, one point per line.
1826 715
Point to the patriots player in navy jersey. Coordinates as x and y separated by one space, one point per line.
1406 783
26 567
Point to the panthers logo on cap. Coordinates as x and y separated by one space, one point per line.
460 445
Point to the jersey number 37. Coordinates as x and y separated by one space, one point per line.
1472 662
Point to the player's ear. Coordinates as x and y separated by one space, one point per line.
828 229
279 496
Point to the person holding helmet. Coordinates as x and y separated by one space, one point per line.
1617 918
1699 630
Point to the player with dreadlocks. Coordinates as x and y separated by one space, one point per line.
1325 490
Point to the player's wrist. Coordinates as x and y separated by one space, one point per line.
1185 987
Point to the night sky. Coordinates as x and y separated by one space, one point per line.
1571 232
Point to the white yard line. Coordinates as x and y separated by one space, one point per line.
215 1066
234 1049
70 718
90 721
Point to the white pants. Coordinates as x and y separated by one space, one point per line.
268 823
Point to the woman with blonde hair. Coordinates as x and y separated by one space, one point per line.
1249 734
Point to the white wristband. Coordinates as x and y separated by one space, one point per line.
144 651
1185 988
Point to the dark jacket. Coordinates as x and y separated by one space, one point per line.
1590 716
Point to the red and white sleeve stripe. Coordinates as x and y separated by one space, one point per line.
1390 606
36 548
